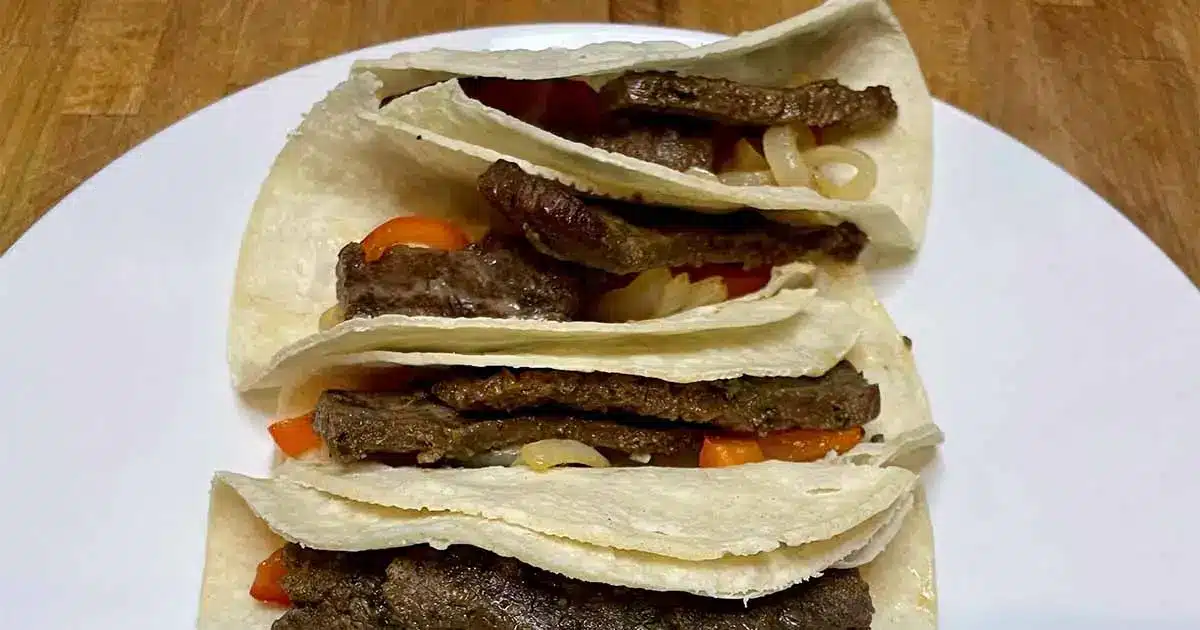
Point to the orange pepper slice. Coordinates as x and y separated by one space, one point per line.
268 580
295 436
729 451
808 445
432 233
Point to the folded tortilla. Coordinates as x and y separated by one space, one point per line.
858 42
246 514
349 168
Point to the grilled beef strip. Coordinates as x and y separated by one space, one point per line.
678 147
466 588
386 425
823 103
560 223
668 119
496 277
839 399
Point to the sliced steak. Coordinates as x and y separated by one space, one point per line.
839 399
335 591
817 104
676 147
496 277
465 588
382 425
560 223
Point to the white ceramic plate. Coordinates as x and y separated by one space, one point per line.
1057 343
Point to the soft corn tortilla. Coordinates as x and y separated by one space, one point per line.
858 42
344 172
900 578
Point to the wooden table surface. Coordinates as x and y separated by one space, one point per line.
1106 88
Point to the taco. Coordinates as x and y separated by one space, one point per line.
837 378
383 232
792 544
761 120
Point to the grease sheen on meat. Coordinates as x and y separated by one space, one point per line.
465 588
560 223
496 277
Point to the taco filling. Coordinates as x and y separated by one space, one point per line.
545 418
558 255
741 134
464 588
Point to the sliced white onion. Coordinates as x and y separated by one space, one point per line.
858 187
635 301
681 294
747 178
332 316
782 146
546 454
657 293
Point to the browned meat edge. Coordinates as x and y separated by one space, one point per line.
839 399
496 277
818 104
558 222
465 588
676 148
382 425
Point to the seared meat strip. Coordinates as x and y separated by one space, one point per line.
379 425
492 278
839 399
676 147
560 223
332 590
817 104
466 588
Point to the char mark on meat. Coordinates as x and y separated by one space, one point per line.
839 399
465 588
824 103
382 425
560 223
501 278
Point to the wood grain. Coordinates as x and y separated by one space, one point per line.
1106 88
